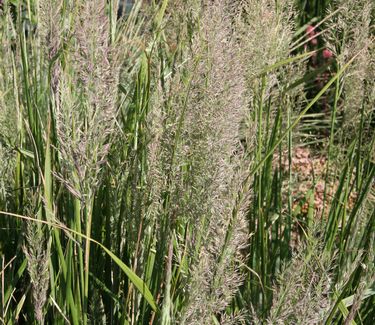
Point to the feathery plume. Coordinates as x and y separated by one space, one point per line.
37 252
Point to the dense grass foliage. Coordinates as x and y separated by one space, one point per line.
189 162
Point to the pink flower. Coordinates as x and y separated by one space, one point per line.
327 54
310 30
314 41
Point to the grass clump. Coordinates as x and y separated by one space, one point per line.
190 162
